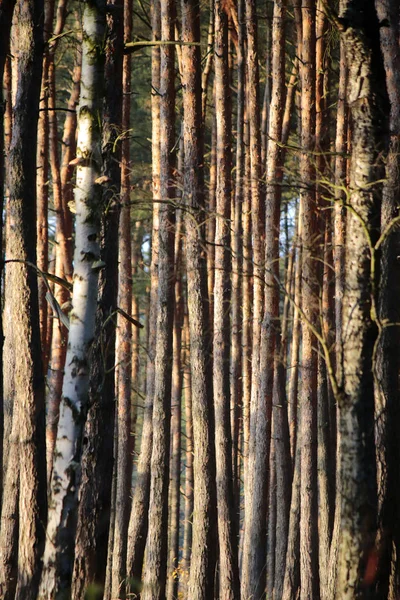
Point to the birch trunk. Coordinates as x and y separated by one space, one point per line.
57 565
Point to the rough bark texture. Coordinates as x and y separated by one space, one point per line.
138 523
202 565
154 580
388 358
6 13
176 416
187 386
124 351
369 107
28 382
250 581
308 399
228 561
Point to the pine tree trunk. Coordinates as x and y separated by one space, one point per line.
188 510
237 266
29 408
154 580
138 523
251 584
176 416
203 555
228 561
124 350
6 12
308 399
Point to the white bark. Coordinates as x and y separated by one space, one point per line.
57 562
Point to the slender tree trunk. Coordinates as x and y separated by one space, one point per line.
156 547
369 107
247 303
42 192
57 566
308 399
97 459
211 215
188 511
326 466
291 582
10 462
228 561
271 313
6 12
237 266
202 563
251 582
341 163
388 358
124 350
205 76
28 385
176 416
138 523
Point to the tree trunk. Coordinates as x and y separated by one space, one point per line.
202 564
237 280
97 458
187 385
29 408
251 583
308 399
57 566
138 523
124 350
157 540
388 357
228 561
369 107
176 416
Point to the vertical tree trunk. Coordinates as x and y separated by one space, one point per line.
271 313
157 540
237 266
228 560
202 563
369 107
57 566
10 432
28 385
97 460
250 580
308 399
6 12
187 385
388 357
42 191
176 415
247 304
138 523
124 350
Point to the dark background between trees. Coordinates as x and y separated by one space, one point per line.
199 384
